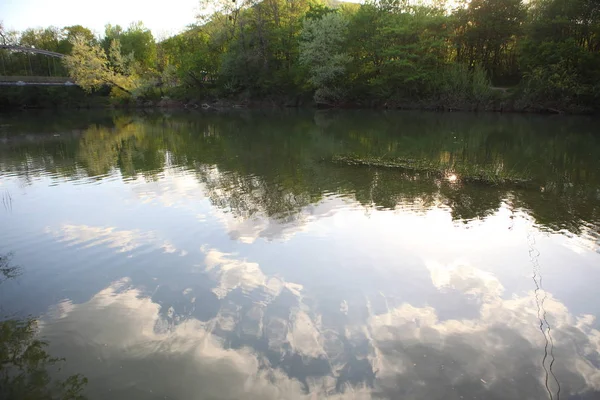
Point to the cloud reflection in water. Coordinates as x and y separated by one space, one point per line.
282 347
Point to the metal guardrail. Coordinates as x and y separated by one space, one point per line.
31 50
36 81
37 84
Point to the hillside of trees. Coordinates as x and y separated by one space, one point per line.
541 55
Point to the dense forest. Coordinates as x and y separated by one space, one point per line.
541 55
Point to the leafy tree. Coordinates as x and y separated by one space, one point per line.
192 56
69 33
262 47
486 35
3 34
91 69
561 53
42 38
120 64
392 52
139 41
322 52
136 42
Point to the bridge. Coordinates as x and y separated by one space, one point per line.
31 50
34 80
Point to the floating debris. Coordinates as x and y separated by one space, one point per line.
471 174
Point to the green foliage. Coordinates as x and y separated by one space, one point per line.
415 51
137 42
260 47
561 55
91 68
51 38
322 52
460 86
120 64
559 85
380 52
487 31
188 59
318 11
65 46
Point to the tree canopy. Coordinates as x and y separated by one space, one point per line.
536 54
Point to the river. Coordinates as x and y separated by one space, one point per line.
307 254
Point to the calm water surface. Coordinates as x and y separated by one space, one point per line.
230 256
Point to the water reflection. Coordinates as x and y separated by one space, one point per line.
7 269
275 166
273 339
231 255
27 370
111 237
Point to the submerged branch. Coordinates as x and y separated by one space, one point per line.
474 175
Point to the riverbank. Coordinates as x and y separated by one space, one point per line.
39 97
506 105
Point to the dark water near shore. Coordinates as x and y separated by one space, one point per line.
237 256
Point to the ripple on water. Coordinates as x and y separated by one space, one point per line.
311 262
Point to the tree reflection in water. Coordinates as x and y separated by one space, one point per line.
243 331
26 368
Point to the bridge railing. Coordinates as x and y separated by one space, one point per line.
31 50
36 79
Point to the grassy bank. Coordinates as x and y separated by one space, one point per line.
73 97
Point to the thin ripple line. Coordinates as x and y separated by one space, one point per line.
541 313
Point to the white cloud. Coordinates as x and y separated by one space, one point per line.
412 352
120 336
469 280
304 336
490 351
233 273
122 240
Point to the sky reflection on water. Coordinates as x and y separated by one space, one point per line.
242 277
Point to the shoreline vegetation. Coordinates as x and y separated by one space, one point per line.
75 98
538 56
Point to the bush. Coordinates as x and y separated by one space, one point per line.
559 86
460 86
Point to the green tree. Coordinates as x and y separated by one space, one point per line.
91 69
322 52
42 38
191 55
415 53
136 41
69 33
487 33
560 54
394 52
